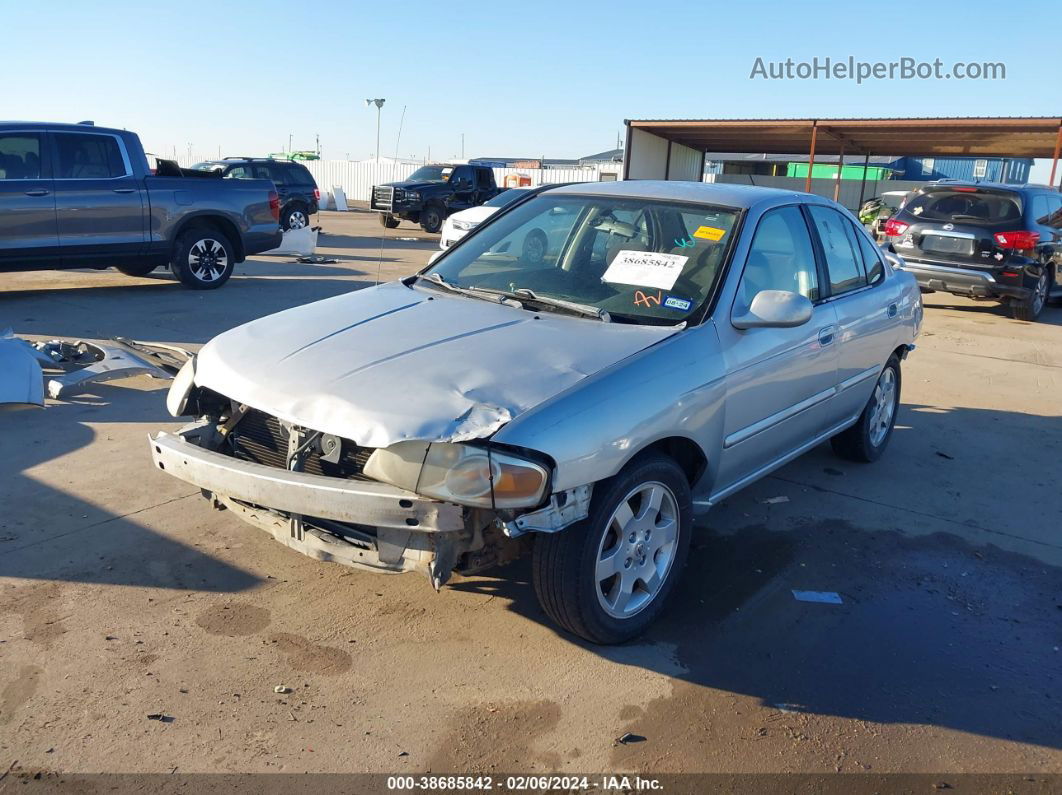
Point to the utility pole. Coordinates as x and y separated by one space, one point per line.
401 121
379 103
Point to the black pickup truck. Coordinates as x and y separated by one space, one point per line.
81 196
431 193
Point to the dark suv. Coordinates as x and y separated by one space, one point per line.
298 191
984 241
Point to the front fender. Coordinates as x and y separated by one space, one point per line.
674 388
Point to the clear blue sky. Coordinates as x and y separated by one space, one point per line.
518 79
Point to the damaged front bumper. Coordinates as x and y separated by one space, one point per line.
358 523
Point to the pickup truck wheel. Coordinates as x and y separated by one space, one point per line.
135 270
388 221
203 258
607 578
431 218
1029 309
294 217
866 440
534 248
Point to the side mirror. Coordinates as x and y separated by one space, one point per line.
775 309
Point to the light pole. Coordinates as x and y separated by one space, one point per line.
379 104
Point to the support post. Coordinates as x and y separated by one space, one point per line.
1054 160
811 157
840 171
863 181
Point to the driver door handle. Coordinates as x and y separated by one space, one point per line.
826 335
124 190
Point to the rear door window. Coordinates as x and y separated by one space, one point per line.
843 259
966 206
87 156
872 262
20 156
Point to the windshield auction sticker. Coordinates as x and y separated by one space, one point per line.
709 233
645 269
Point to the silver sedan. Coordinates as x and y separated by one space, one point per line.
678 342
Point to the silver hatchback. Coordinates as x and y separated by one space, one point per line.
678 342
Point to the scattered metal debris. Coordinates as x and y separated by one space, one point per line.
821 597
160 716
281 689
316 259
629 738
109 362
95 363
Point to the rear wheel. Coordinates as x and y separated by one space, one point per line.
135 270
203 258
294 217
1030 308
431 218
866 440
608 577
388 221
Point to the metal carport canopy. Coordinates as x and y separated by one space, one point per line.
1032 136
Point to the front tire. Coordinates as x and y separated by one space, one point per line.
388 221
534 248
203 258
1029 309
866 440
431 218
608 577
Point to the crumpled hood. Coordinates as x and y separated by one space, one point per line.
390 363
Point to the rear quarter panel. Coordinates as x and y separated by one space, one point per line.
244 203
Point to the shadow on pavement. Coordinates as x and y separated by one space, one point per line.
933 629
48 533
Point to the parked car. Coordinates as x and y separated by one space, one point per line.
431 193
299 194
685 340
875 212
81 196
984 241
536 243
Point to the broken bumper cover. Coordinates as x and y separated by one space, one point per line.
411 532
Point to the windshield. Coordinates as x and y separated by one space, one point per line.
639 260
966 205
431 174
506 197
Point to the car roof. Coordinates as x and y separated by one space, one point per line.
740 196
964 183
60 126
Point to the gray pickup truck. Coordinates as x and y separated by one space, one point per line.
81 196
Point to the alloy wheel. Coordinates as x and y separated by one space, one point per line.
884 406
636 550
207 260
